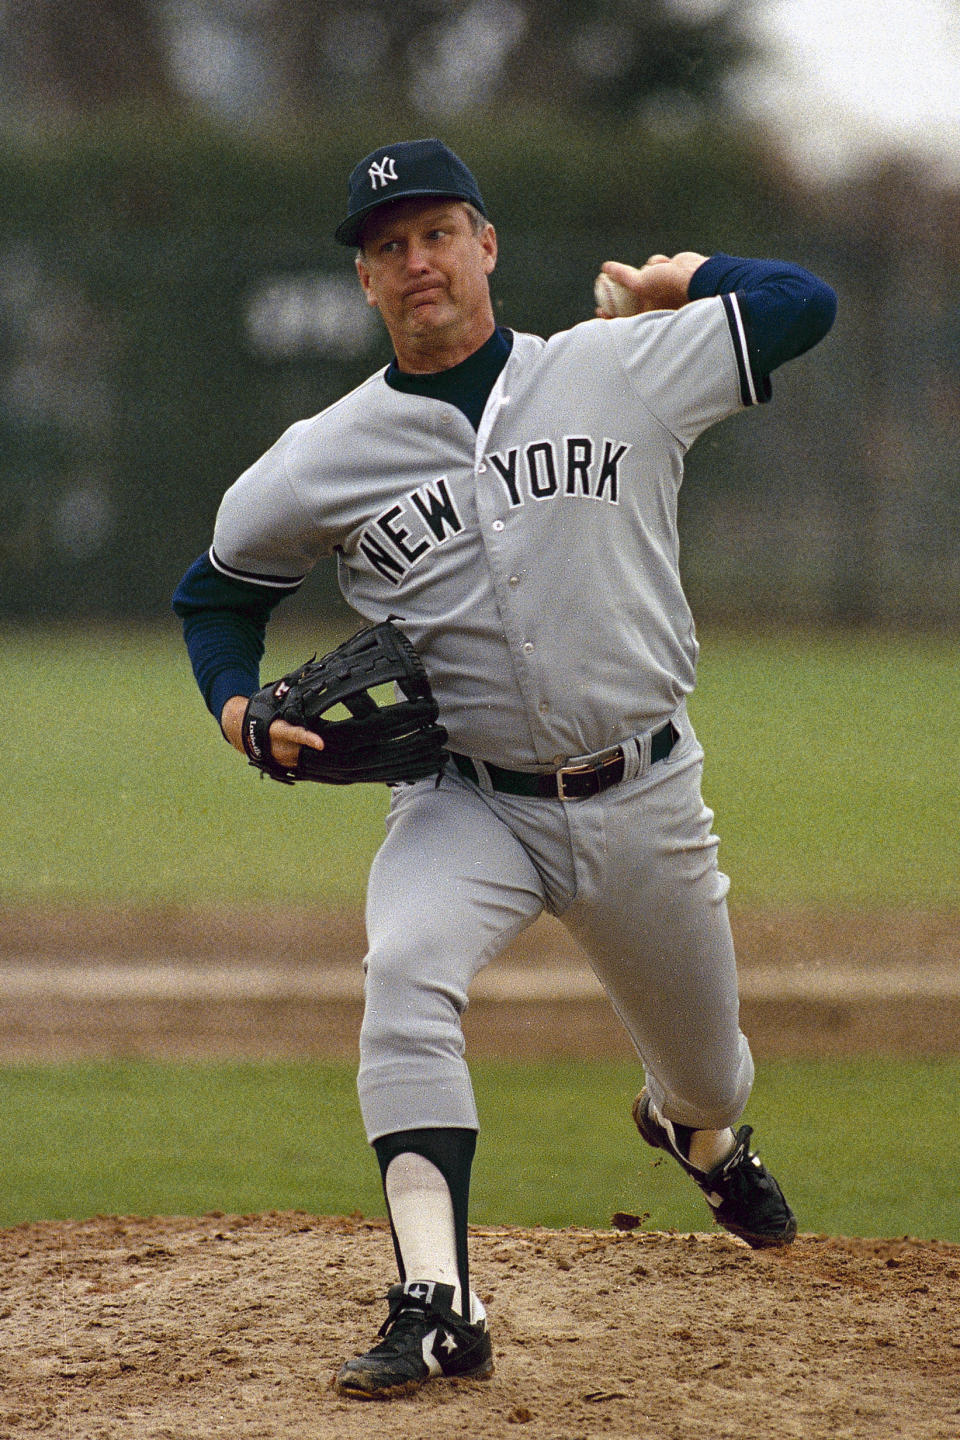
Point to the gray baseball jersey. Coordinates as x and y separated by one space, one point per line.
490 545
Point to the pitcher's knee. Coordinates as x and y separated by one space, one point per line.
709 1100
412 1068
409 1008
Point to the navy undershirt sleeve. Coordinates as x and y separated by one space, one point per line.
786 310
224 625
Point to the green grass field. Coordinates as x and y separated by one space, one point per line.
862 1148
832 768
832 765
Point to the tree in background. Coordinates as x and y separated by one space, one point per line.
283 58
81 57
601 56
141 242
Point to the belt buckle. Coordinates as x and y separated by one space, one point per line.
594 766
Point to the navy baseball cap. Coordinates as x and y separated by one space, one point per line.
400 171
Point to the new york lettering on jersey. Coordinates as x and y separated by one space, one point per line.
389 544
578 467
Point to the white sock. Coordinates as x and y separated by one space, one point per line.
709 1147
421 1211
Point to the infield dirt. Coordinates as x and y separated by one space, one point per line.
286 982
231 1327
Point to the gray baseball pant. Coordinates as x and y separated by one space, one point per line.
632 873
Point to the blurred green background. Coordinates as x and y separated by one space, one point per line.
832 764
171 299
829 790
860 1147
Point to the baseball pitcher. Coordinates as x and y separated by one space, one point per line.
502 510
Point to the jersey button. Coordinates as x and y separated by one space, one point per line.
514 580
497 525
528 648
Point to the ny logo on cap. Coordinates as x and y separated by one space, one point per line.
381 171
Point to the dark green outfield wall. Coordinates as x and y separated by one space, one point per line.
171 300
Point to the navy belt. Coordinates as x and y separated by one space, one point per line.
573 782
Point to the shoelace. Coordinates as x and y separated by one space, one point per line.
404 1310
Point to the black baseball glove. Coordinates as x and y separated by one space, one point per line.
385 743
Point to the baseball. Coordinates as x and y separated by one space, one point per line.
613 298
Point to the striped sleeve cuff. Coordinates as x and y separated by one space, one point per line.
752 390
275 582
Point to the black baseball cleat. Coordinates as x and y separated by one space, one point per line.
741 1192
423 1338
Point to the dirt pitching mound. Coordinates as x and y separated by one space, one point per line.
230 1328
